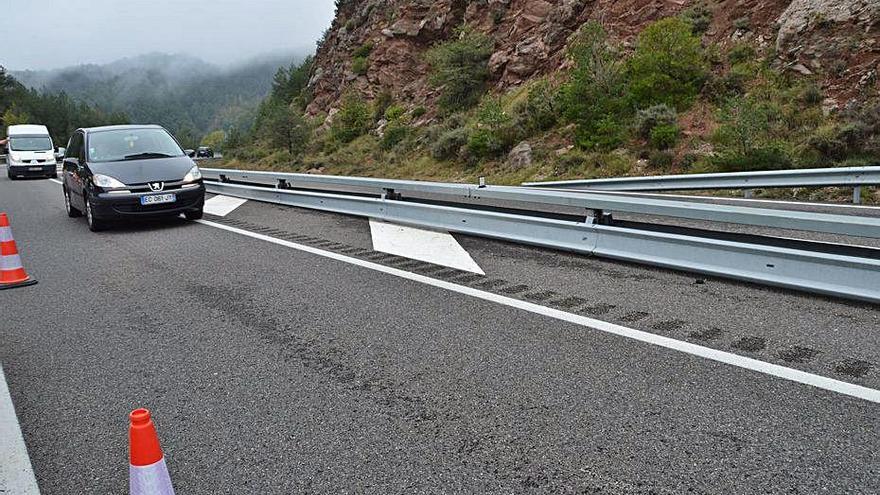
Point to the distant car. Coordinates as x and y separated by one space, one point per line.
130 171
30 152
204 152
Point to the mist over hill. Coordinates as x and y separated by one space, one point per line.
187 95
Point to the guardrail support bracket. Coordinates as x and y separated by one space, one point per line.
282 184
857 195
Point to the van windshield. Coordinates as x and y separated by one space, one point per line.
36 143
132 144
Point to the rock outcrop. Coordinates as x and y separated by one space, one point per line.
837 41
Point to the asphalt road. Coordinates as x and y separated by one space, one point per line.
271 370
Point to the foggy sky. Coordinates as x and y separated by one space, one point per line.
59 33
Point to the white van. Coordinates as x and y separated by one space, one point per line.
30 152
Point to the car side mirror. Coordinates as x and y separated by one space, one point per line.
60 153
190 153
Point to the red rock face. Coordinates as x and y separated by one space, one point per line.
839 42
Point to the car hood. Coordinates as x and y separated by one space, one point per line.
31 155
142 171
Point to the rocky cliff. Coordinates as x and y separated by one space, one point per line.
835 41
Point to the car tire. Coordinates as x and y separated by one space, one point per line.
95 225
194 214
9 174
71 211
54 176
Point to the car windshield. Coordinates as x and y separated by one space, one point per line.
35 143
132 144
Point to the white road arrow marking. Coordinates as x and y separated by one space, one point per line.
222 205
432 246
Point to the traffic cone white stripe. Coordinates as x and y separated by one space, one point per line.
150 480
10 262
5 234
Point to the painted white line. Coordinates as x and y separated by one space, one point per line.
741 200
16 473
432 246
222 205
775 370
55 181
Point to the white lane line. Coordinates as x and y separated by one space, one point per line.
16 473
775 370
222 205
55 181
432 246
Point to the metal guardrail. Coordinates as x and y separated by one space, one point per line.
854 177
817 271
760 217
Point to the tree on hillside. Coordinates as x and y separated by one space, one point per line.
460 67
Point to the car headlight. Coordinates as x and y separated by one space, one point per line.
106 181
193 175
13 160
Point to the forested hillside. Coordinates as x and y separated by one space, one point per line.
188 96
61 113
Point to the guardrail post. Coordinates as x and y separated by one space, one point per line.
282 184
388 193
748 193
223 178
857 195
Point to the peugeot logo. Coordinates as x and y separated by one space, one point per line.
157 186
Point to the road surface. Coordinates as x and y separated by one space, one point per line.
280 353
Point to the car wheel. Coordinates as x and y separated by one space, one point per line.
9 174
54 176
194 214
95 225
71 211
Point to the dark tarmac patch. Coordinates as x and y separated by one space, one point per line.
855 368
540 296
798 354
515 289
669 325
750 344
599 309
634 317
707 334
569 302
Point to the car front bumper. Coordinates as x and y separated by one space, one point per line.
109 206
33 170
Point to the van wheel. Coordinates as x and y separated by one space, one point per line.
71 211
95 225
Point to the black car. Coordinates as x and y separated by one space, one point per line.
129 171
204 152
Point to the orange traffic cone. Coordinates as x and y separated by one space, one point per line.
12 274
148 474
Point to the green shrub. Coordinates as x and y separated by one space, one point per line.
699 17
449 144
770 157
595 96
661 159
742 23
419 111
810 94
668 65
459 67
360 65
651 117
539 112
665 136
741 53
352 121
383 100
363 51
394 112
494 132
395 132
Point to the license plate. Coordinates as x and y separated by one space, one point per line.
158 199
34 169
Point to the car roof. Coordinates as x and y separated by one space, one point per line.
27 130
120 127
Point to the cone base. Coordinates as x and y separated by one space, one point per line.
16 285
